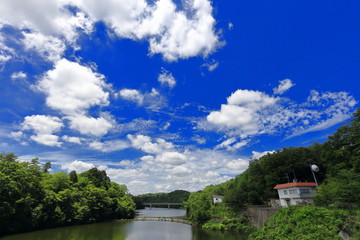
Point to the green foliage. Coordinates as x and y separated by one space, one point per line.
299 222
340 191
198 206
31 198
239 224
177 196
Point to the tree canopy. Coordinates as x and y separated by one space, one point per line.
32 198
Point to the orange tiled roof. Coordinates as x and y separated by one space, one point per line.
296 184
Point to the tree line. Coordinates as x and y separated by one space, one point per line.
32 198
177 196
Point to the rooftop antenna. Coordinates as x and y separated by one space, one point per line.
314 169
287 176
294 179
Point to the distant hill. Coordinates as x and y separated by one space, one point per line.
177 196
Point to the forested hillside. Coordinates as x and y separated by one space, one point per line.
177 196
339 176
32 198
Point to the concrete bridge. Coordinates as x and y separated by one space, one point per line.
162 204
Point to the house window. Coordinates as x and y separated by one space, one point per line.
305 190
293 191
285 192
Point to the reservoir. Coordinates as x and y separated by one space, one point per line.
131 230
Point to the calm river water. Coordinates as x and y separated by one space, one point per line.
132 230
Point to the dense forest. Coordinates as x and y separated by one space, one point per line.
177 196
339 177
32 198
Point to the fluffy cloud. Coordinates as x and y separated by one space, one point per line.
166 78
284 85
171 32
152 100
146 144
238 164
72 88
47 139
109 146
90 126
46 17
75 140
132 95
43 127
243 112
250 113
42 124
78 166
171 158
18 75
49 47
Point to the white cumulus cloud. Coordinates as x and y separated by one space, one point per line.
148 145
78 166
89 125
44 126
166 78
171 32
72 88
284 85
49 47
70 139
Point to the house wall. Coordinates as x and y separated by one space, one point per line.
296 195
217 199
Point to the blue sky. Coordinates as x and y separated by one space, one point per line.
167 95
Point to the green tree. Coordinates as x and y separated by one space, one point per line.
73 176
198 206
46 167
97 177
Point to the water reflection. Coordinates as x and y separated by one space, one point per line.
160 212
132 230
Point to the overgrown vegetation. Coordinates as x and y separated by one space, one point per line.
303 222
32 198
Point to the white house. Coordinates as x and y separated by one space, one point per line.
217 199
296 193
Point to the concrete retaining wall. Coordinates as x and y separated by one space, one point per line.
259 214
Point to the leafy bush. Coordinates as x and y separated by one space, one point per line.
239 224
302 222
